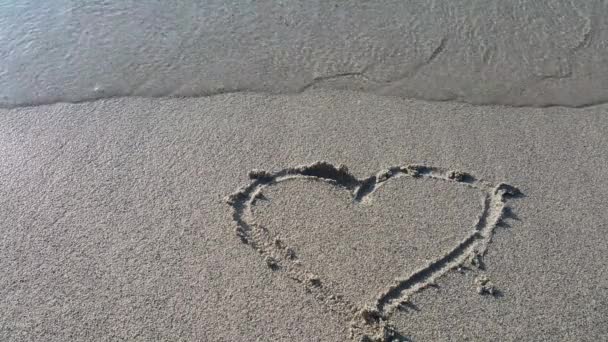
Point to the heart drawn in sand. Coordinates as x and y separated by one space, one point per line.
367 322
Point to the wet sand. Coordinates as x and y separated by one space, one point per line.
115 223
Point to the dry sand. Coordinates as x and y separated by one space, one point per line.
115 226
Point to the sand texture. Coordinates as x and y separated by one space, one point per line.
141 219
512 52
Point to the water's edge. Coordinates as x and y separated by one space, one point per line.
483 52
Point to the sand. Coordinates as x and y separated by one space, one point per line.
115 223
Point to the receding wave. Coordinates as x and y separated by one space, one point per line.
488 52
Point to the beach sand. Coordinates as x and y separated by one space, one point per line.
116 226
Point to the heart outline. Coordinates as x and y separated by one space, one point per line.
369 323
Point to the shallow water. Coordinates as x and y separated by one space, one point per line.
492 52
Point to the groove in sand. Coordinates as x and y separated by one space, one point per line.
368 323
